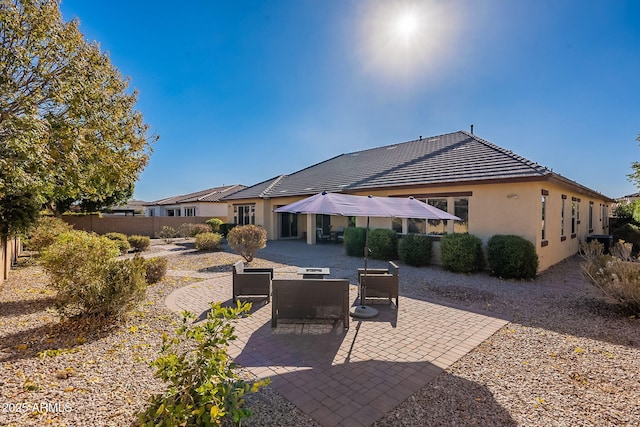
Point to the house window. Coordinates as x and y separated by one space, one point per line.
189 211
437 226
396 225
416 225
562 235
544 225
151 212
573 217
244 214
173 212
590 217
461 210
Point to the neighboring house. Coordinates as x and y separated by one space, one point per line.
133 208
493 190
201 203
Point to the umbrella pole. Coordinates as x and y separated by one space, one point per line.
364 311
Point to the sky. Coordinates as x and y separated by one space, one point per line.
242 91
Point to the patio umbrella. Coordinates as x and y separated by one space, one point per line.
347 205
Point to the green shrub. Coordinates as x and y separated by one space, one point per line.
167 234
155 269
415 250
461 252
192 230
47 229
203 385
225 228
512 257
246 240
208 241
215 224
618 280
354 240
89 280
120 240
383 244
139 243
629 233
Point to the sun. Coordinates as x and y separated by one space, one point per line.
406 25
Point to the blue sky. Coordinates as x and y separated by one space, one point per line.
242 91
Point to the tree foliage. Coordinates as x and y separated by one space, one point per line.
635 175
68 127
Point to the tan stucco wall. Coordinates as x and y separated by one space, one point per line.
500 208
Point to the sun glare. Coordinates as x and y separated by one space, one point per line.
406 25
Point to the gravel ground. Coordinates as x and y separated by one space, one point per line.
566 358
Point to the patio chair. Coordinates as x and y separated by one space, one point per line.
251 282
321 237
381 282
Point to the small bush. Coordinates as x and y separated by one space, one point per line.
139 243
512 257
354 240
167 234
47 229
120 240
215 224
461 252
383 244
203 385
208 241
225 228
192 230
618 280
89 280
629 233
246 240
155 269
415 250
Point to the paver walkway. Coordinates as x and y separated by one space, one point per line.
353 377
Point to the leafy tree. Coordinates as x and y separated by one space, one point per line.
635 176
68 127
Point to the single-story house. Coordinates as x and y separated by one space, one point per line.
492 189
201 203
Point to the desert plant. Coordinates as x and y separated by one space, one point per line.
204 386
47 229
139 243
415 250
225 228
215 224
192 230
383 244
630 233
246 240
354 240
512 257
618 280
461 252
167 234
155 269
87 278
208 241
120 240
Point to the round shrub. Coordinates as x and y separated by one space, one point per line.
46 231
208 241
461 252
167 233
192 230
246 240
383 244
155 268
415 250
225 228
139 243
629 233
120 240
512 257
215 224
354 240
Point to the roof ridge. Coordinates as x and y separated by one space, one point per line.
426 139
272 185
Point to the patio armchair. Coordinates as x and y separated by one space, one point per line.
380 282
251 282
321 237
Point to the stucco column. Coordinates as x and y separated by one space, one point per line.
311 229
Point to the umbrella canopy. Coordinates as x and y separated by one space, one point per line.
369 206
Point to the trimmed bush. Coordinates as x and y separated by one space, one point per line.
203 385
415 250
246 240
167 234
121 241
192 230
208 241
89 280
155 269
46 231
215 224
225 228
354 240
461 252
383 244
629 233
512 257
139 243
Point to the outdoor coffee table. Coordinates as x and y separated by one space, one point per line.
313 273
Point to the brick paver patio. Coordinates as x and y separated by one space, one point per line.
346 377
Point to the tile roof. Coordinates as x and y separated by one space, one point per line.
445 159
209 195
